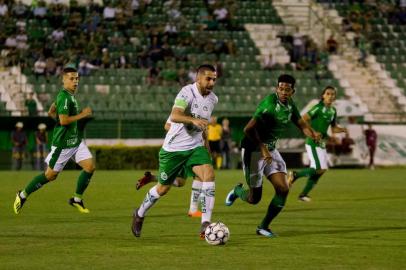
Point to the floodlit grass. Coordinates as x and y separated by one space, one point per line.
357 220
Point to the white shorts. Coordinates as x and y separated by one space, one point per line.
58 157
318 157
255 166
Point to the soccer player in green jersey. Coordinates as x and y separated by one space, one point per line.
320 116
66 144
259 155
184 147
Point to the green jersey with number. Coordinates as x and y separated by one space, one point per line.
273 118
321 118
66 136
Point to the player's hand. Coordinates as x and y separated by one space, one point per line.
87 111
316 136
200 123
266 155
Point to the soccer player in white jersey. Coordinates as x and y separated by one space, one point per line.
184 147
179 181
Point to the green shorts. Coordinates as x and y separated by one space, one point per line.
173 164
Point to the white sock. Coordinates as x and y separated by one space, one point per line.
150 199
195 195
77 199
23 195
208 191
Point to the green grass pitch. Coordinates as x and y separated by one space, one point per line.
357 220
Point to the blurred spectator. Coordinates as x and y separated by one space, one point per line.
85 68
22 39
347 144
50 68
171 32
122 61
109 13
153 75
226 143
191 74
11 42
19 140
39 67
298 46
346 25
3 9
363 47
31 105
19 10
221 15
214 137
332 45
269 62
105 58
21 24
41 140
57 35
371 139
40 11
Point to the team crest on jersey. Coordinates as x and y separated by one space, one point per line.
164 176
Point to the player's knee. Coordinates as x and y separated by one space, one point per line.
254 198
162 189
91 168
51 176
283 190
320 172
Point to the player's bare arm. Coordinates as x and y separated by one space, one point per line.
52 111
178 116
338 129
206 140
66 119
167 126
307 130
252 133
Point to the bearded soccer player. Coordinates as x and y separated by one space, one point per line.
66 144
184 147
260 156
179 181
321 116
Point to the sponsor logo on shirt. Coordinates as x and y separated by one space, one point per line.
164 176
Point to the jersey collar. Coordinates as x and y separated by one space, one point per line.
67 91
280 103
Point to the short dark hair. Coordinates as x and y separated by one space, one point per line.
206 67
325 89
286 78
69 68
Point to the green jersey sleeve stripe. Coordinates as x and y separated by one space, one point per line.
180 103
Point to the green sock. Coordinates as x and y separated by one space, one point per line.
36 183
305 172
311 182
276 205
241 192
83 182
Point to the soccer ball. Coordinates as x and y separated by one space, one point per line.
217 234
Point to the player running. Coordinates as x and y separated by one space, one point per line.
320 116
66 144
184 147
259 154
